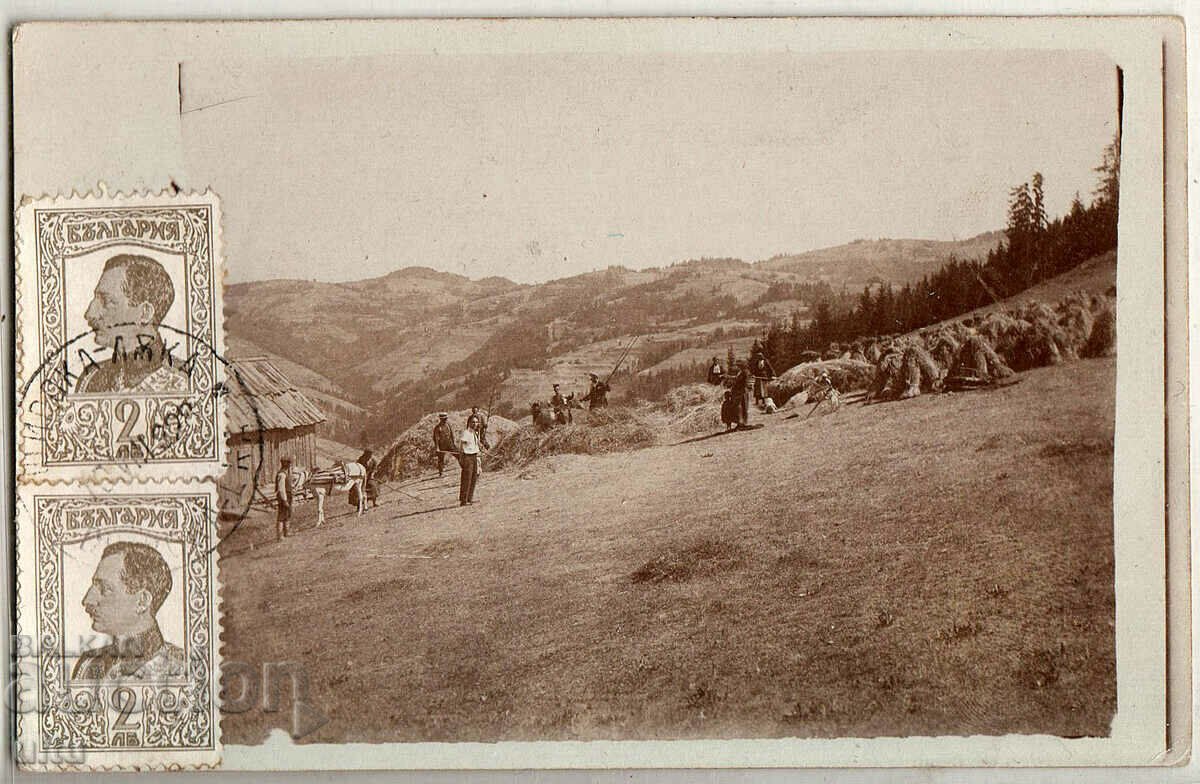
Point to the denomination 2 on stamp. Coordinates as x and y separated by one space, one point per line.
117 596
119 330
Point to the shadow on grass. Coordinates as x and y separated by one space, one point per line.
423 511
331 521
719 433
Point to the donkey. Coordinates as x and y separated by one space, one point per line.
343 476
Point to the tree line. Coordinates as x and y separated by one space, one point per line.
1034 249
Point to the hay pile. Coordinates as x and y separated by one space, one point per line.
614 429
976 359
905 371
1029 335
1036 334
693 408
687 397
846 375
414 450
1102 342
944 345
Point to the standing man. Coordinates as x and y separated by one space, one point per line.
742 387
443 440
597 395
370 486
483 439
468 459
284 495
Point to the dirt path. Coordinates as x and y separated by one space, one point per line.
937 565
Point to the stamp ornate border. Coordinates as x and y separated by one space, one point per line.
167 721
66 433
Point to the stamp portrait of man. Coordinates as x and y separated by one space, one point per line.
130 300
128 587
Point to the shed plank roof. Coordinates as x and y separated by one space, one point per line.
260 397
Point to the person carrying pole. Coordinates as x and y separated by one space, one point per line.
597 396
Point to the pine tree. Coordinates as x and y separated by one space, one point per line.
1037 217
1109 190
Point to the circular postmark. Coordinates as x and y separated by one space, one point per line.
146 425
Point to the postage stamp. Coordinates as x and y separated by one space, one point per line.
118 631
119 331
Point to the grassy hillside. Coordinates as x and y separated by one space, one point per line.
806 591
1097 275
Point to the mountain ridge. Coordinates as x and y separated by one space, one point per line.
416 326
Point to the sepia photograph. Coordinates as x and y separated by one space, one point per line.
718 397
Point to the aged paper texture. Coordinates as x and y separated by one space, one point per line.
635 393
119 334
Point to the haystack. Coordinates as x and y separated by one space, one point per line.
1045 342
976 359
414 449
1023 343
1076 320
615 429
689 396
887 375
904 374
943 346
693 408
1102 342
846 375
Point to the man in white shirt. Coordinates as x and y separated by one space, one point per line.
468 458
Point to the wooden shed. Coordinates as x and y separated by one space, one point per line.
267 419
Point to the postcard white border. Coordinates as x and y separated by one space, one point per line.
1135 44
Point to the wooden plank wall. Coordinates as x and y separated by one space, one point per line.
243 456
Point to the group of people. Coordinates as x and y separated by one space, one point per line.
358 476
561 405
468 448
747 379
291 481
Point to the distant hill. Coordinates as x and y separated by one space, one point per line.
896 261
375 343
342 416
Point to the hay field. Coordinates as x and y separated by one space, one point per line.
941 565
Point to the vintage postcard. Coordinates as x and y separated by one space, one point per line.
604 393
119 336
117 631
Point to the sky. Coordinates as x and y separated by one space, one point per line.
540 166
